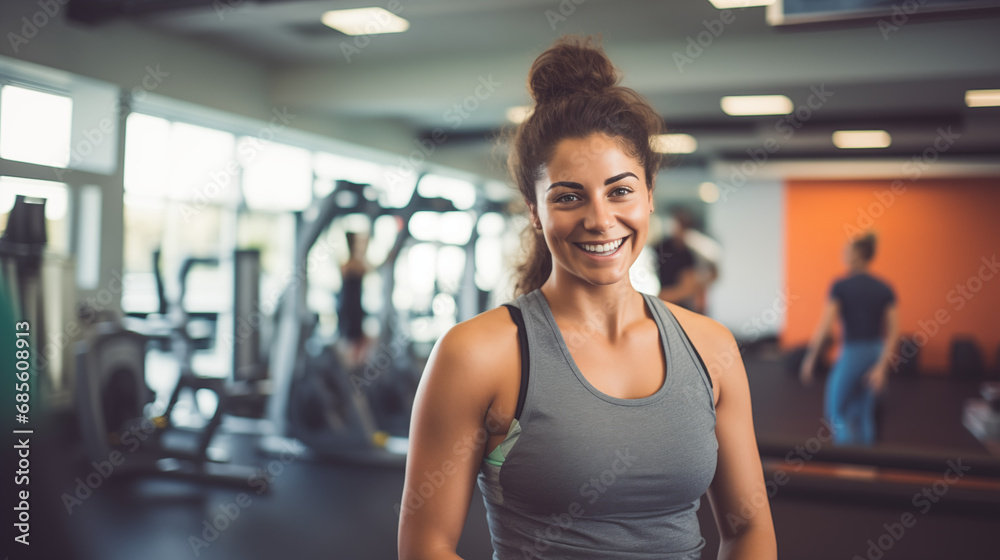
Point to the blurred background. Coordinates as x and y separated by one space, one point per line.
234 229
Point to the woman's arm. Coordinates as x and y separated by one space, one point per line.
447 436
825 322
878 374
737 494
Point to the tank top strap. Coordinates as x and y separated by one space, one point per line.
542 347
681 347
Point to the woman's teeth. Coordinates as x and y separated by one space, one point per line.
605 249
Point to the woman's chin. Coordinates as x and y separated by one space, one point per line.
603 277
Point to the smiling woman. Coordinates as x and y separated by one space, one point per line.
593 227
584 410
578 99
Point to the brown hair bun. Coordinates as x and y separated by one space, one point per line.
573 65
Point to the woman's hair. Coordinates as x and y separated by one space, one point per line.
576 93
864 246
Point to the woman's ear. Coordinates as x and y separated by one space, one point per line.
533 216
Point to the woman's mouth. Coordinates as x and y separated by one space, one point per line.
602 249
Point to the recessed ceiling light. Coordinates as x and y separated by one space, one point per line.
517 114
708 192
674 143
726 4
850 139
742 105
365 21
982 98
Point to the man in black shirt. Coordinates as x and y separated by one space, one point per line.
676 265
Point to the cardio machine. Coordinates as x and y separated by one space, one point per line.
359 414
112 394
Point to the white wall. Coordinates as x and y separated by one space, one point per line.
749 224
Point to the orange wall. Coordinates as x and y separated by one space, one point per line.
932 237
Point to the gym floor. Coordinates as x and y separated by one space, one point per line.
317 509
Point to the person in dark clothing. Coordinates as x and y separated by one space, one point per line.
350 312
676 265
866 306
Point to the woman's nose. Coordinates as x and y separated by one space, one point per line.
598 217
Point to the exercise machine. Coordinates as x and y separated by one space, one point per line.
21 252
355 414
113 398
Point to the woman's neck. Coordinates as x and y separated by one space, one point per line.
607 309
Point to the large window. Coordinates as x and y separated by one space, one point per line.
394 184
276 177
35 126
179 198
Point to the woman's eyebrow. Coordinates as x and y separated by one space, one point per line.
569 184
618 177
608 181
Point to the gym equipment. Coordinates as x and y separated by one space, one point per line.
251 389
184 332
472 300
21 248
41 290
965 358
982 416
338 413
392 394
909 356
397 362
112 393
247 317
111 396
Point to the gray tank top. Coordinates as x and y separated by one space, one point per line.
582 474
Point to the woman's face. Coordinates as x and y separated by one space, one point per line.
593 207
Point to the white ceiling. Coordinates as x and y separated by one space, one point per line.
910 82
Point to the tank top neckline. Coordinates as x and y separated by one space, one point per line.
664 343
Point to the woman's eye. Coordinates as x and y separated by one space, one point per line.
567 198
621 191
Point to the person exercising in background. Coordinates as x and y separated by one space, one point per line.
679 279
350 312
866 306
707 256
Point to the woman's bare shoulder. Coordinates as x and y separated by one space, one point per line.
702 325
478 352
486 333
